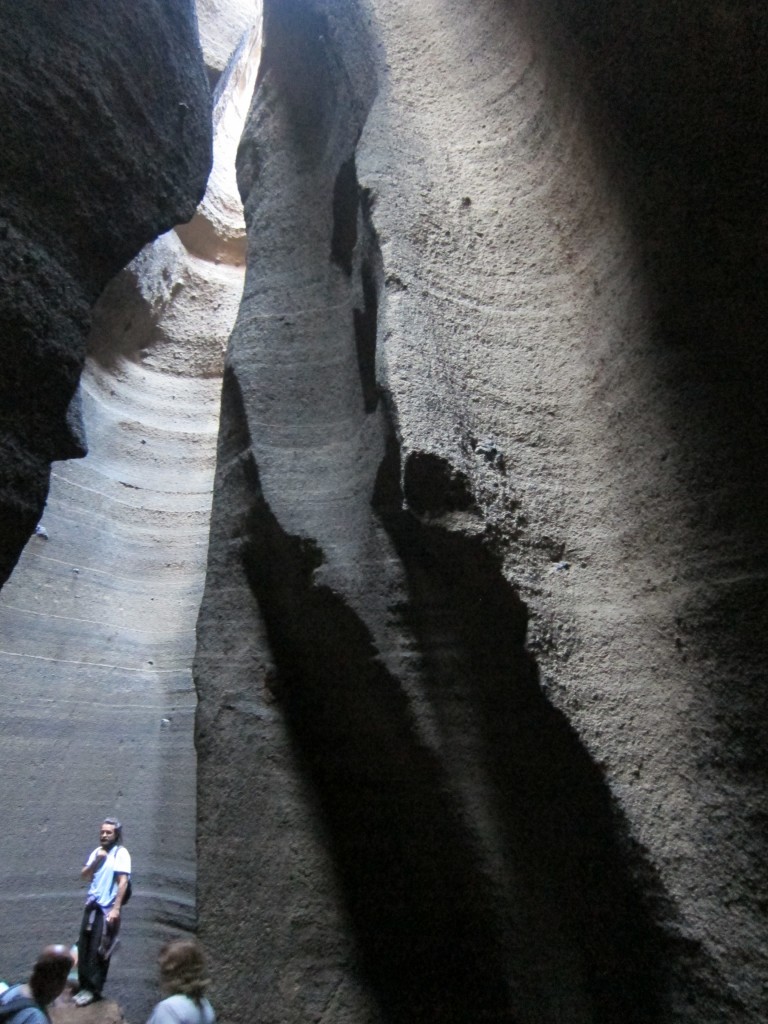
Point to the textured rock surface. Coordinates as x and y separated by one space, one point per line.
105 115
222 24
64 1011
98 633
217 231
97 623
481 656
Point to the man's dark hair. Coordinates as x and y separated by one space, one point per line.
117 827
49 974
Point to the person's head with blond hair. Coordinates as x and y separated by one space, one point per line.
182 969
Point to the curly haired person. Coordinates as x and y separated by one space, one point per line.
182 977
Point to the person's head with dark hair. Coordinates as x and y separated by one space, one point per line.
49 974
110 833
182 969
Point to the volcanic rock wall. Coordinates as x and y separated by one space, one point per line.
106 143
482 721
482 715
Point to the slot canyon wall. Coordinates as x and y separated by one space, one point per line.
482 727
97 621
481 716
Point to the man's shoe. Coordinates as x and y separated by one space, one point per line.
83 997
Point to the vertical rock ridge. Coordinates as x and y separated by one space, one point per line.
429 836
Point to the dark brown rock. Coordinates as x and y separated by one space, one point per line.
105 1011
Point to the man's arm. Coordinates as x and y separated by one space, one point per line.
93 866
122 885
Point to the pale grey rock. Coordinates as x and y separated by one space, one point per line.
97 626
482 786
222 25
97 623
217 231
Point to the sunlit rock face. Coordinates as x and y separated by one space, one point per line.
217 231
105 113
482 720
97 621
222 25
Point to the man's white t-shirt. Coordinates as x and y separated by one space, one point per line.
103 886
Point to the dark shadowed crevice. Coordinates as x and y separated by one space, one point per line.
366 319
353 224
294 54
423 913
432 485
574 882
365 338
345 206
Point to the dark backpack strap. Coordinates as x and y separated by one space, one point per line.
13 1006
128 888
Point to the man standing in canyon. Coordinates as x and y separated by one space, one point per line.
108 870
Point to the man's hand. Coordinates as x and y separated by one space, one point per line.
89 871
113 915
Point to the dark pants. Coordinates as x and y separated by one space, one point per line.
92 966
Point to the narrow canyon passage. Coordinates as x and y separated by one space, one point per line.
98 619
98 635
470 727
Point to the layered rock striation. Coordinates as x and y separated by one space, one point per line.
97 622
480 658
